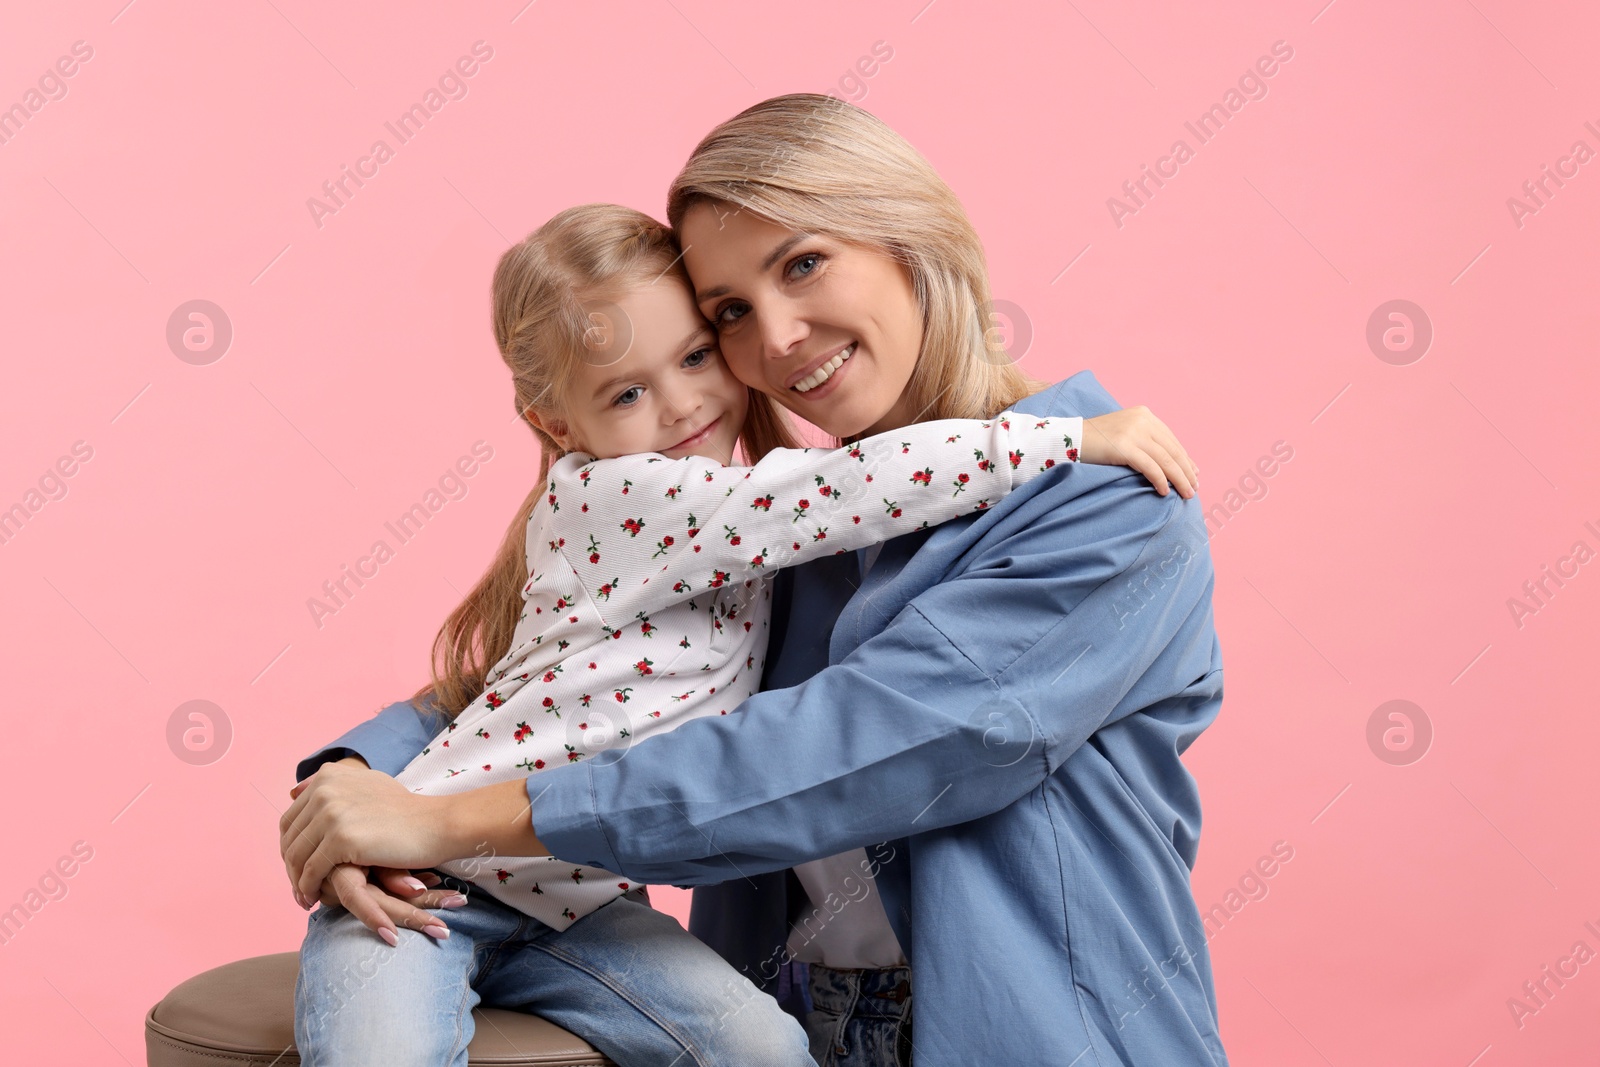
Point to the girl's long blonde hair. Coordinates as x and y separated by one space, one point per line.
815 164
551 293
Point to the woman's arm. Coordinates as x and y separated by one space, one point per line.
1095 607
386 742
1079 603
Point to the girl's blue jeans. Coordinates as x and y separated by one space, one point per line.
626 978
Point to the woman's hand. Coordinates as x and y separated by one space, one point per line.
1133 437
397 899
347 814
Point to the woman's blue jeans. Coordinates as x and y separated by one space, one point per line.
626 978
860 1018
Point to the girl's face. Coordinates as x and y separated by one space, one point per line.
654 381
829 329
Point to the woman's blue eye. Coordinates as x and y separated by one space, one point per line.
723 316
621 400
809 258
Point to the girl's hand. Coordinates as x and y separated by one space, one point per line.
1133 437
346 814
396 900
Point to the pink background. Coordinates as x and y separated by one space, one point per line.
1377 566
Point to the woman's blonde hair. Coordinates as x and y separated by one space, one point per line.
816 164
551 293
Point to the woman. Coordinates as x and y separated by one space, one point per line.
985 720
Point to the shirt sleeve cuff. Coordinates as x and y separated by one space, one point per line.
566 818
387 741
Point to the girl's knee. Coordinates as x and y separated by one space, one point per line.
360 1000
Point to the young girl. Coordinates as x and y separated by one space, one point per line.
631 594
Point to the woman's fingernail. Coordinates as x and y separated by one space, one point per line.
438 930
413 883
388 935
455 900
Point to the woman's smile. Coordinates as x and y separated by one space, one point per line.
822 372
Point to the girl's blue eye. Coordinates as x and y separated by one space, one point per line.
620 401
692 362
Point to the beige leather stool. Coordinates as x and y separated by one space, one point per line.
243 1013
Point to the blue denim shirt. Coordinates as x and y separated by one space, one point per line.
997 713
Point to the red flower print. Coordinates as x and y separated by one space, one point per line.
643 667
633 526
717 578
621 695
1015 457
925 476
538 764
522 732
763 503
1072 454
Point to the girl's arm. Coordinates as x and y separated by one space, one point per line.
642 532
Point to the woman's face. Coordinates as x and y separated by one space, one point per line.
830 330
